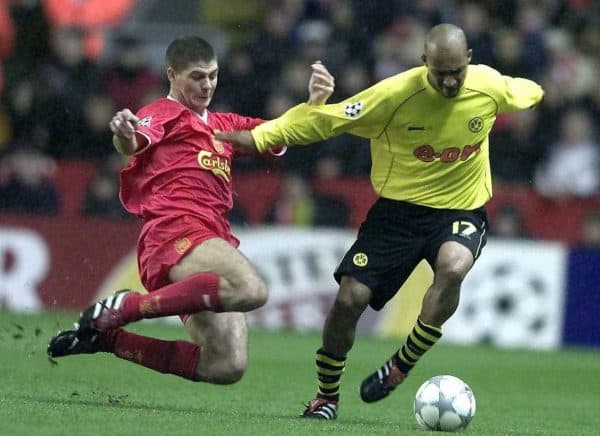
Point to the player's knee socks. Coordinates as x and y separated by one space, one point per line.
169 357
329 372
193 294
421 338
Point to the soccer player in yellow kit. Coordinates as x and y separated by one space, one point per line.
429 130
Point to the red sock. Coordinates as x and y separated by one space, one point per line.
193 294
169 357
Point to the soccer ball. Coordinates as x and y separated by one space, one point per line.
445 403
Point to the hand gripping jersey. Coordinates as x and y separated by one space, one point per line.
426 149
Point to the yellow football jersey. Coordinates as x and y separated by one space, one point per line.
426 149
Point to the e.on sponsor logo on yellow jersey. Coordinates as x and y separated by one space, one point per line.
427 153
218 165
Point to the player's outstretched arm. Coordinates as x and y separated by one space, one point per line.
123 125
242 140
320 87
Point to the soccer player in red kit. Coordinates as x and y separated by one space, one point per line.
179 182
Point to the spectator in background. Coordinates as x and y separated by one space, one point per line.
590 230
591 102
129 78
294 76
297 205
509 53
532 22
475 21
95 140
240 72
239 18
70 74
102 196
573 165
397 47
428 12
569 69
26 183
32 38
516 149
508 222
345 155
346 41
7 38
313 41
273 42
70 78
93 17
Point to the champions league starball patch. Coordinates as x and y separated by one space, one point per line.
352 110
144 121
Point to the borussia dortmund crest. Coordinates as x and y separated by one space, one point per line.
360 259
475 124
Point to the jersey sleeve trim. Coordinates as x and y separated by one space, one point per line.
489 95
145 147
397 108
389 171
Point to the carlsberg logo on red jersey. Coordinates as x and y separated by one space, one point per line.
214 163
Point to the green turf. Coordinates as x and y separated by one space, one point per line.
518 392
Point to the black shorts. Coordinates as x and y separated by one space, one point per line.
397 235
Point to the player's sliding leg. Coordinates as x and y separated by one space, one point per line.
224 339
169 357
338 338
222 357
68 342
193 294
441 300
235 286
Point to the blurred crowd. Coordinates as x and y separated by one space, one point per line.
67 65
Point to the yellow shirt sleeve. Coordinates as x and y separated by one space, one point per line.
365 114
514 93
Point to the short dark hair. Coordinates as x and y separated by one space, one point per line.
186 50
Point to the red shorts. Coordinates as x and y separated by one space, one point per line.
164 241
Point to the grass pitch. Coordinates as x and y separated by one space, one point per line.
517 392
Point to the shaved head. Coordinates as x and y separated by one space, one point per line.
446 57
445 37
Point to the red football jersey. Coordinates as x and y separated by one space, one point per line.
179 168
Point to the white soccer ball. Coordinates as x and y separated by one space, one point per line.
444 403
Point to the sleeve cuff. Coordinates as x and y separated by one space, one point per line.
278 151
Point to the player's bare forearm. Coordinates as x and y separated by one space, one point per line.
125 146
242 141
123 125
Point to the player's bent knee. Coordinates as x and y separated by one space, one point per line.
452 275
353 298
229 372
453 271
245 295
256 293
